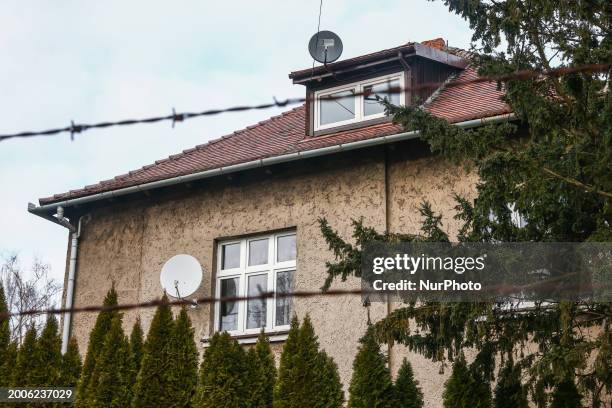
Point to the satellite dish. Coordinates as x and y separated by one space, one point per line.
181 276
325 47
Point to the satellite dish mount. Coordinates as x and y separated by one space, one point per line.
325 46
181 276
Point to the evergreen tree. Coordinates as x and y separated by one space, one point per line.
5 340
462 390
71 365
223 375
47 357
10 360
371 384
551 165
183 373
566 395
305 373
110 380
152 384
25 365
136 350
262 373
287 373
509 392
94 347
328 385
407 389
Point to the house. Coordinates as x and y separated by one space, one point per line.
246 205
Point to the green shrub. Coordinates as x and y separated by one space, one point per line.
25 365
183 372
5 341
152 385
371 384
223 375
407 389
94 347
136 350
463 390
110 380
509 392
262 373
71 364
566 395
306 376
47 357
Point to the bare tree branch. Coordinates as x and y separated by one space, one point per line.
27 289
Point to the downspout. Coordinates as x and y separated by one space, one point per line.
388 230
74 248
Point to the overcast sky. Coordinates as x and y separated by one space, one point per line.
95 61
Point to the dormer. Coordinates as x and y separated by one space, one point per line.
342 95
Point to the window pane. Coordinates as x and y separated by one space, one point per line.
230 256
229 310
336 110
370 105
284 284
258 252
256 308
285 247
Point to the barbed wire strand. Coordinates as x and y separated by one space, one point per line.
183 302
75 128
500 289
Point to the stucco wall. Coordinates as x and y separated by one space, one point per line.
415 177
128 242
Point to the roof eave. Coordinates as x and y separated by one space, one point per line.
351 64
48 209
346 66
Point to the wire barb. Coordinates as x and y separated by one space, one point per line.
74 129
177 117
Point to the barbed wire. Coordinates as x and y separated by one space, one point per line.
175 117
501 289
184 302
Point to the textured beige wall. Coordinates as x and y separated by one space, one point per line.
129 242
413 178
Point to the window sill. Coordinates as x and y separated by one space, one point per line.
351 126
274 336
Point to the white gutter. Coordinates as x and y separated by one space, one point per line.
45 210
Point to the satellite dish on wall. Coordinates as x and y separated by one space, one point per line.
181 276
325 47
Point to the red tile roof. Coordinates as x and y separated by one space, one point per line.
286 133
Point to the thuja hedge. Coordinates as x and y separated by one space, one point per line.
122 371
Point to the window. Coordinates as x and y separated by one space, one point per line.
356 102
248 267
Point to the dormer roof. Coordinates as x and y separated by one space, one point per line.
433 50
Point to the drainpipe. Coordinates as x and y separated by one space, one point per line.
74 247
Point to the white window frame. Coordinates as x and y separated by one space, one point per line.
357 88
243 272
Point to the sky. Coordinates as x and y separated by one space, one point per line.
112 60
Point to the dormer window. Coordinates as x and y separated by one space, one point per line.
356 102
